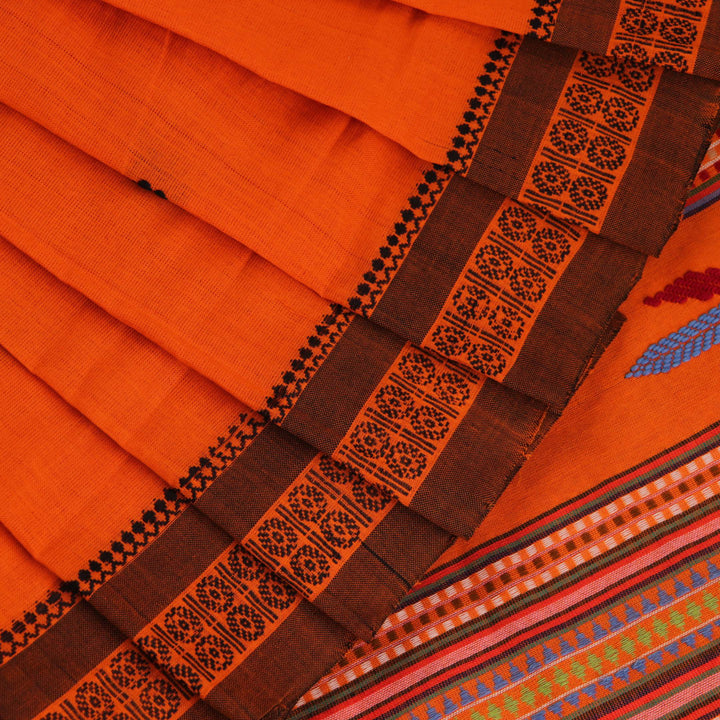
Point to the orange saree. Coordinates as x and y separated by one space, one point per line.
275 332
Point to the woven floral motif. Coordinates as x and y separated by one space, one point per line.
590 139
226 613
664 33
320 520
505 284
124 686
414 410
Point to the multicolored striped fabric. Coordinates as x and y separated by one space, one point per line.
705 189
607 606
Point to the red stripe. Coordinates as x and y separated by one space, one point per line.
558 513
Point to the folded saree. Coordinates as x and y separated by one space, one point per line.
598 597
684 35
265 349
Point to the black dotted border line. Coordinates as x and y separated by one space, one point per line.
420 205
543 24
310 357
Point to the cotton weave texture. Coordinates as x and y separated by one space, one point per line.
357 359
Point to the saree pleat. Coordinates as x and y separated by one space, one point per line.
31 411
36 602
614 125
534 17
682 35
202 556
417 72
244 497
274 332
439 216
160 300
576 149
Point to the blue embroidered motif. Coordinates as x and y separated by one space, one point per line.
678 347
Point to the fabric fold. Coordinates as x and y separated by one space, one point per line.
255 482
407 419
484 300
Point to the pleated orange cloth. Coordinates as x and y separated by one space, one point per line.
683 35
288 295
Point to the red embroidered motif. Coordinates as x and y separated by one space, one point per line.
695 285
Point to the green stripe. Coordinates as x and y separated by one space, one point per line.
535 597
706 184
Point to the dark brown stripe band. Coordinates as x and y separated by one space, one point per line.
586 24
648 194
475 459
648 204
480 459
133 597
342 384
521 116
136 600
707 62
379 571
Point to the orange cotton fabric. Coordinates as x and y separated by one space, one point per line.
313 191
154 407
200 295
511 15
404 73
67 488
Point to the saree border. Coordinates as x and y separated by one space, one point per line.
594 132
419 205
682 36
489 570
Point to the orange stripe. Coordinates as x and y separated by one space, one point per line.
590 139
489 312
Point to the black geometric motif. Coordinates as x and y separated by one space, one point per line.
588 193
94 702
246 622
406 461
214 653
129 669
159 700
310 565
606 152
215 594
